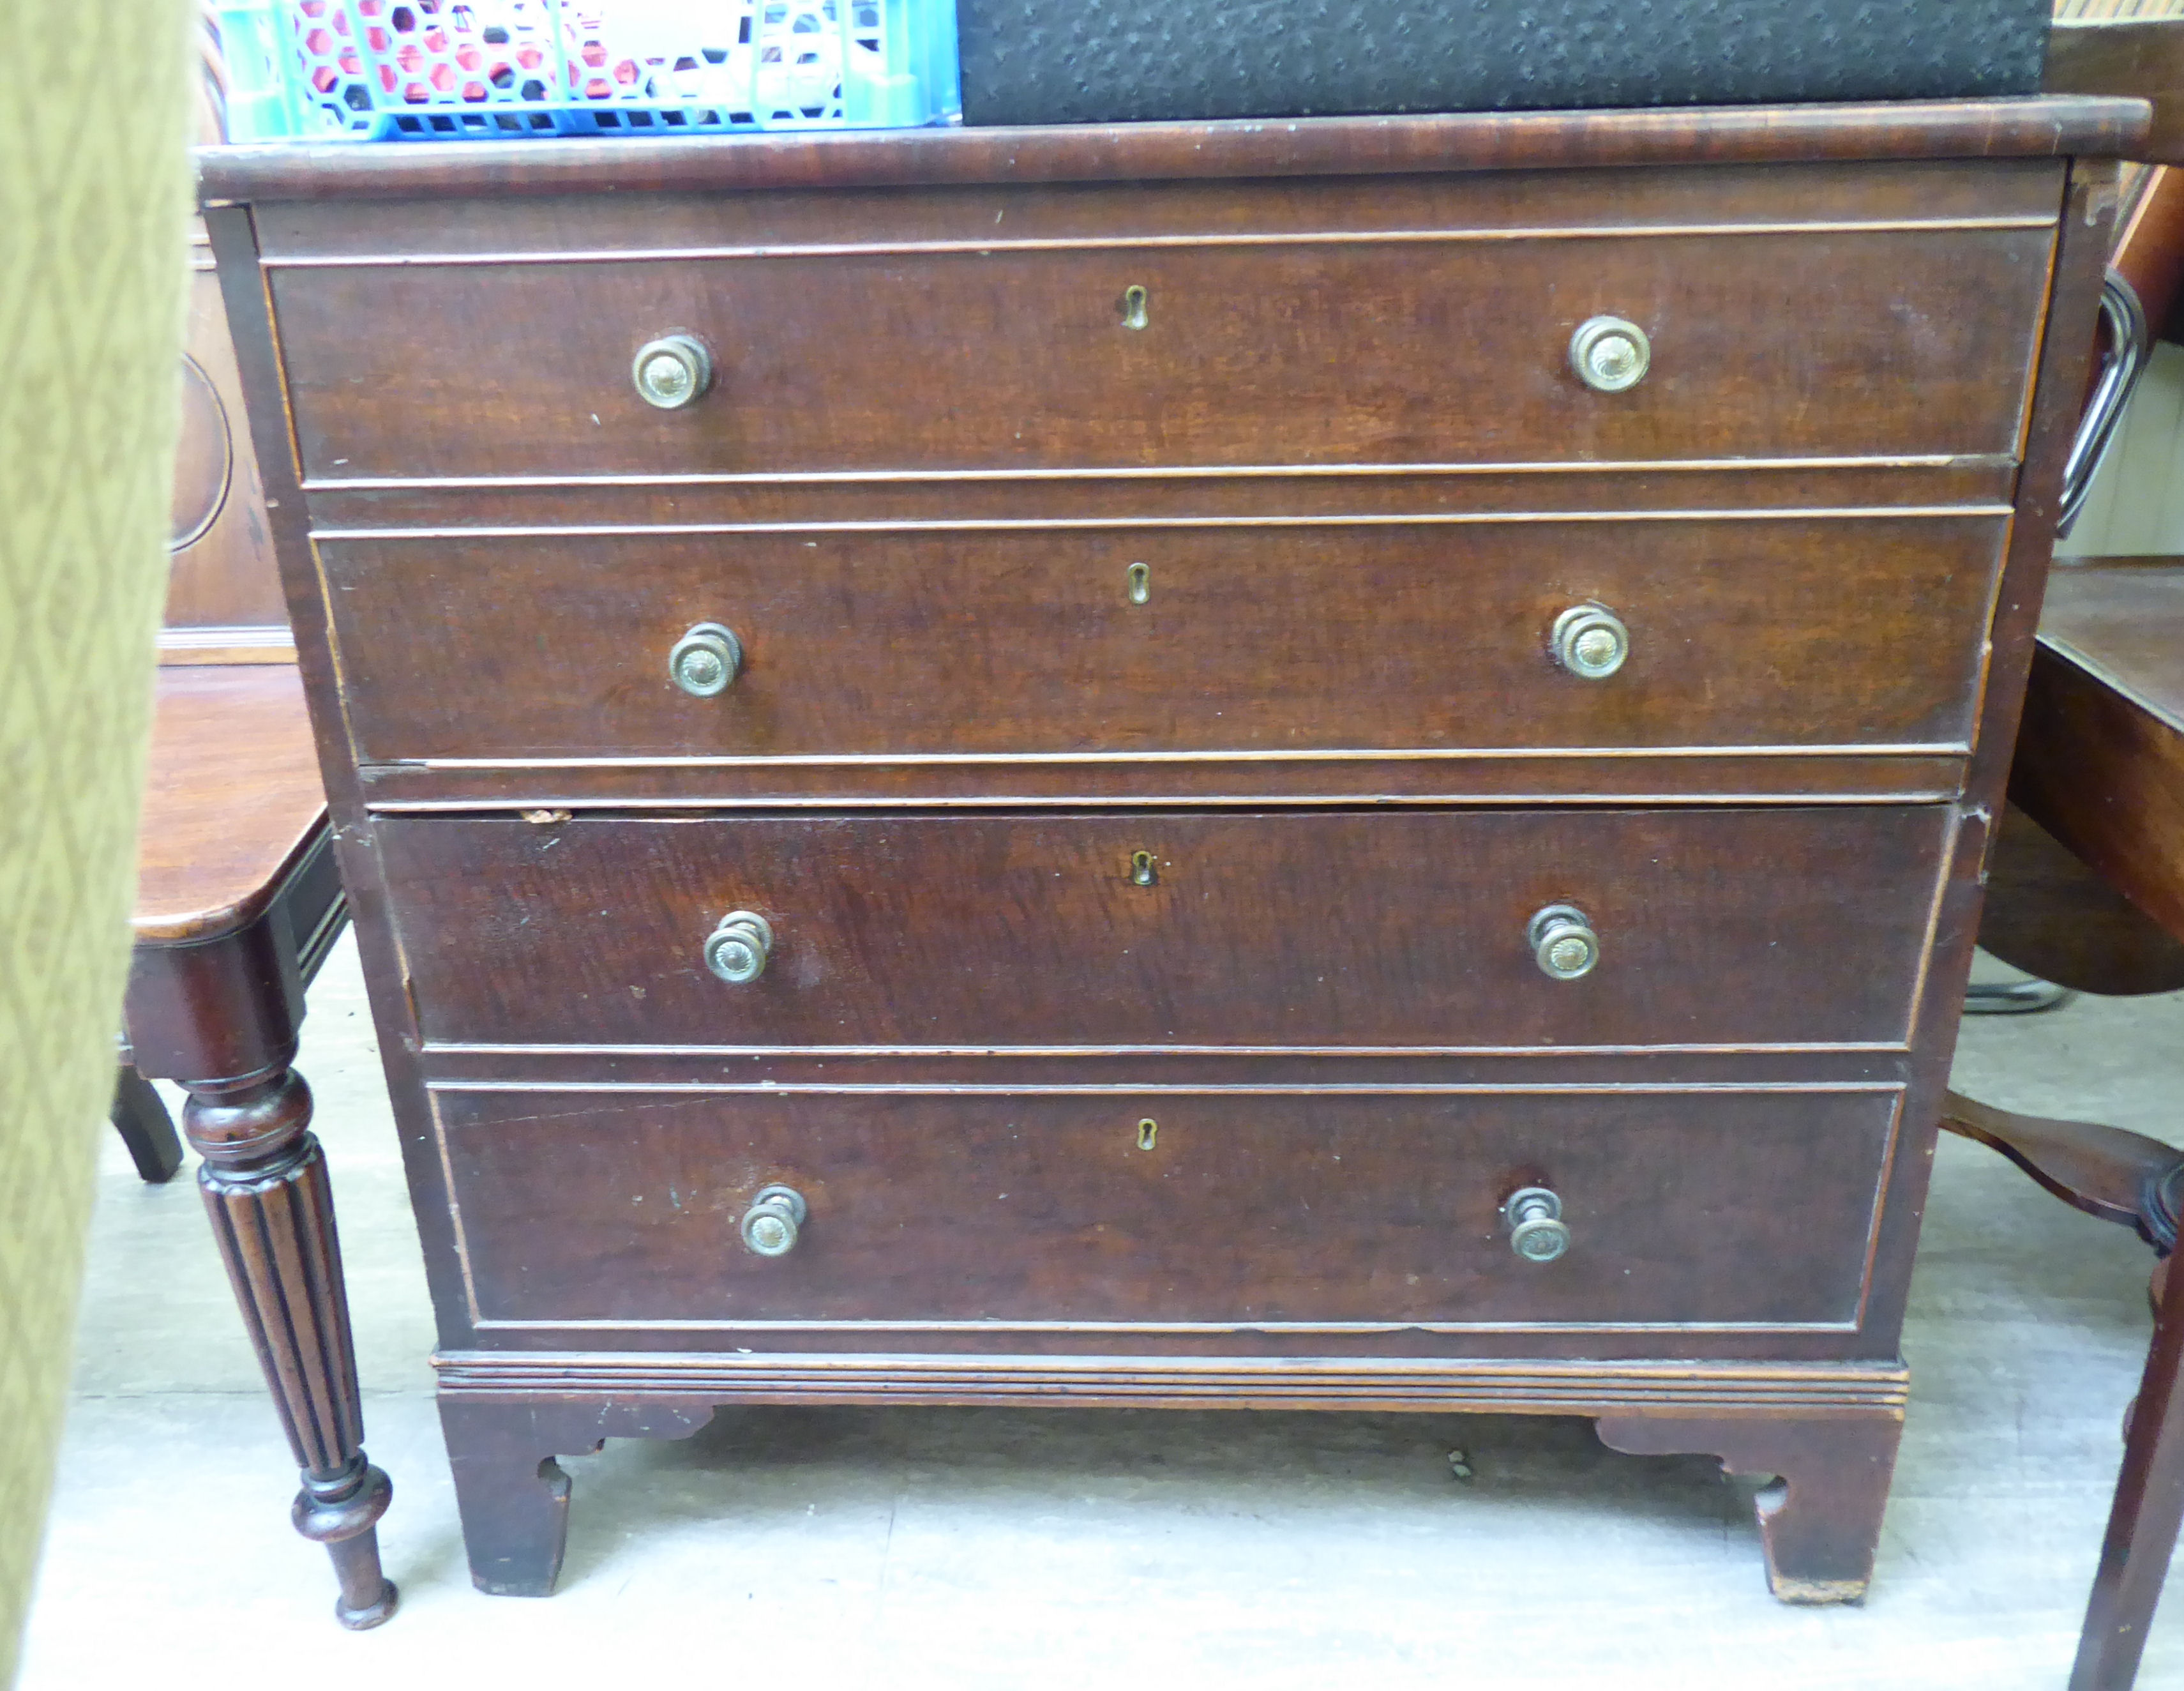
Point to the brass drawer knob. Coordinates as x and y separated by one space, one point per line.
771 1223
1537 1231
705 660
1590 640
1610 353
1562 942
739 946
672 371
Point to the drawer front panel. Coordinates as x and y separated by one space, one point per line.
1716 928
1857 344
1247 637
1702 1207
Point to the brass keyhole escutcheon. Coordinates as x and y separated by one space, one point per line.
1143 870
1148 1132
1133 307
1141 583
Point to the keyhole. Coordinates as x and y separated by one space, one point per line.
1142 870
1133 307
1141 583
1148 1130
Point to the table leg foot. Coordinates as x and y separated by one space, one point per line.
1819 1521
342 1512
145 1127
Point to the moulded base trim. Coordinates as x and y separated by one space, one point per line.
1436 1384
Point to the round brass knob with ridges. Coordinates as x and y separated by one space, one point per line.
1537 1231
739 946
672 371
1590 640
771 1223
1562 942
1610 353
705 660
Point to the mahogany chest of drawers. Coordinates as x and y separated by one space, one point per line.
1317 765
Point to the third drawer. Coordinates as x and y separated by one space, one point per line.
1307 929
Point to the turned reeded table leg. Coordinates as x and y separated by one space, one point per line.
264 1182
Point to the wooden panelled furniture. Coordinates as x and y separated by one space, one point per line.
1335 764
238 901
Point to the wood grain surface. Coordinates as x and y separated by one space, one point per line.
223 580
1250 636
2050 915
1342 1207
994 216
2100 764
2048 128
1905 343
232 799
1315 928
1599 490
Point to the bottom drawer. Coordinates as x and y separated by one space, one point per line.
1752 1208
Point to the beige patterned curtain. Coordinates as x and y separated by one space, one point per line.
93 194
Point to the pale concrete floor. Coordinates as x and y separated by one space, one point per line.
1011 1549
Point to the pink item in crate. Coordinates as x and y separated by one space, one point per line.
494 68
490 53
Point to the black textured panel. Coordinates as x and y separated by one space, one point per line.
1096 61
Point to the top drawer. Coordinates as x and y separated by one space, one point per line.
1305 346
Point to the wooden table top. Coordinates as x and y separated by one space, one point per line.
2119 620
232 798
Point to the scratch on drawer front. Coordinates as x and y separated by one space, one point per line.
563 1115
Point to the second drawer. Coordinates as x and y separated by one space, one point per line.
1735 632
1342 929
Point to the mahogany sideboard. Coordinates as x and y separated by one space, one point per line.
1335 764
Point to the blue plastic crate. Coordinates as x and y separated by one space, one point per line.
504 69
